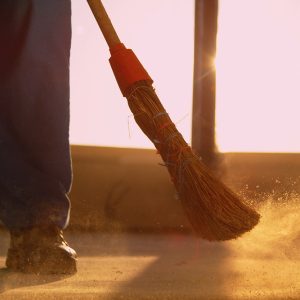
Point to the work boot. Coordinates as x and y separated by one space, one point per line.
40 251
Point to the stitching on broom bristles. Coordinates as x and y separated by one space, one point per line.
162 113
133 91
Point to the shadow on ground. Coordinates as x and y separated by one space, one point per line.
154 266
12 280
195 270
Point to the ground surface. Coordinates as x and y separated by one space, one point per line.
263 264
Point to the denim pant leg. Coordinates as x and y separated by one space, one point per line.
35 165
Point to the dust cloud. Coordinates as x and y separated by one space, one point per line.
265 262
278 233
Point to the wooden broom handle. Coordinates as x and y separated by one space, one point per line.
104 22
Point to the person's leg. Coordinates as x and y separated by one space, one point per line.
34 124
34 120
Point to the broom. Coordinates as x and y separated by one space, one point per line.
214 211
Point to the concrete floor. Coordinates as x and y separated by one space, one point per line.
263 264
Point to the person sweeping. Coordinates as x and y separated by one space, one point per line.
36 174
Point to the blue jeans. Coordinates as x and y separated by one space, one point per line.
35 164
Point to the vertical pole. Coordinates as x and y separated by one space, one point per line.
204 88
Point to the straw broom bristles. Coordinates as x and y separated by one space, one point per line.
215 212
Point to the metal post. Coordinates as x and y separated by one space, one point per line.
203 124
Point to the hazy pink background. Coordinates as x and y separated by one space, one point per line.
258 72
